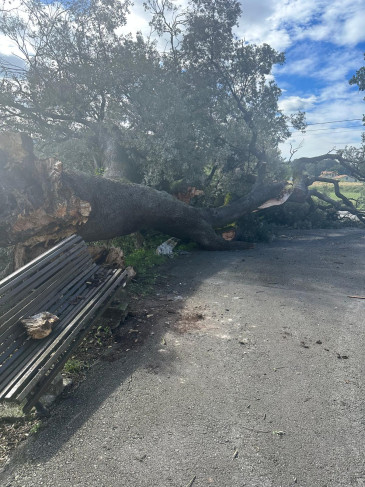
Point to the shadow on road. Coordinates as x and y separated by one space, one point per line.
282 265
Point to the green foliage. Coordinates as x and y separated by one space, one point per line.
74 366
100 334
254 228
359 78
302 216
186 246
144 260
35 428
112 105
227 199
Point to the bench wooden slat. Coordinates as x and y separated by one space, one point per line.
30 348
18 336
42 386
33 280
36 349
54 303
49 276
80 321
47 292
20 274
62 342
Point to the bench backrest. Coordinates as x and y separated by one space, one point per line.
37 285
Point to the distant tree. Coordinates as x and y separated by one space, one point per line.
359 78
353 159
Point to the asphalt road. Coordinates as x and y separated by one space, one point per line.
250 373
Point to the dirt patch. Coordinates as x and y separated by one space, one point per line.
13 433
189 322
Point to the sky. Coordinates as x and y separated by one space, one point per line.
324 44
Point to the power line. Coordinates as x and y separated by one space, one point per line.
298 136
335 128
336 121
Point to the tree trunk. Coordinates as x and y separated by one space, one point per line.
40 204
117 163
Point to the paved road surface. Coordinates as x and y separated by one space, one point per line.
251 373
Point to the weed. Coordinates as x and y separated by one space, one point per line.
74 366
103 331
143 259
35 428
186 246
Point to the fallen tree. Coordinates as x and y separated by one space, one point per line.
200 117
41 203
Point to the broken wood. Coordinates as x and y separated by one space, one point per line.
40 325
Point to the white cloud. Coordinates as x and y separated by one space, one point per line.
354 30
137 20
338 102
7 46
328 66
316 143
306 66
281 24
337 65
292 104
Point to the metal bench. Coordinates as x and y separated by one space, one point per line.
63 281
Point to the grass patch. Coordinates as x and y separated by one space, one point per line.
74 366
145 260
353 191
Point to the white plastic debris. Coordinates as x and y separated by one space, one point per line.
346 215
167 248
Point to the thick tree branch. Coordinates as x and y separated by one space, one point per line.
338 205
336 186
223 215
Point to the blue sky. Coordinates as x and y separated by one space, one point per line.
324 43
